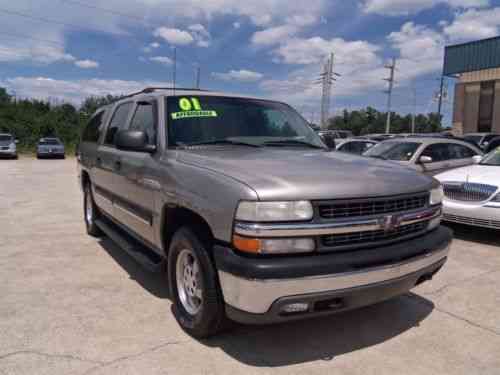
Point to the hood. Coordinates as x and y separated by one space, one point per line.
482 174
307 174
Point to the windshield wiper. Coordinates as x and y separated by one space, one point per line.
291 142
216 142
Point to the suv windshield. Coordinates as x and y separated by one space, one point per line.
49 142
223 120
5 138
399 151
493 158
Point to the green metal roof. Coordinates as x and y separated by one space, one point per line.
469 57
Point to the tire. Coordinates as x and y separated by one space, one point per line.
90 212
209 317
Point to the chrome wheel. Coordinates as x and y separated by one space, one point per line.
89 207
189 285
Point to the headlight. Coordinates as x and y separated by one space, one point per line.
274 245
274 211
436 196
12 146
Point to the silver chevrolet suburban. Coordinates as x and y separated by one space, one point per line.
249 214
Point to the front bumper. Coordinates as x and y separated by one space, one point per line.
8 153
482 215
48 153
255 289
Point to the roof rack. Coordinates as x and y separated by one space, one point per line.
149 90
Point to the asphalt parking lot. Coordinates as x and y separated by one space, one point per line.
72 304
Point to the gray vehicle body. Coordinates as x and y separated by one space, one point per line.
8 145
141 192
50 150
435 166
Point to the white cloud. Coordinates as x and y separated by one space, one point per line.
74 91
316 49
87 64
236 25
164 60
474 24
200 35
152 46
406 7
174 36
273 35
246 76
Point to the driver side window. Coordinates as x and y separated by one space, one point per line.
438 152
144 119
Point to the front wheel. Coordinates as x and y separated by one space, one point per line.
90 212
197 300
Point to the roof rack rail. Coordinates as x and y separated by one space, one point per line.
149 90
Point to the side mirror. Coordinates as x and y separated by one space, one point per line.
425 159
16 141
477 159
133 140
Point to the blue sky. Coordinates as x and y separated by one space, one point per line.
69 49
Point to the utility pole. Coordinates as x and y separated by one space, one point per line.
414 109
391 68
197 77
326 79
440 98
174 73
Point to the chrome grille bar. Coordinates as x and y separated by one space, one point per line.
468 191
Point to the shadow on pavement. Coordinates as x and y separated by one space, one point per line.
154 283
475 234
324 338
301 341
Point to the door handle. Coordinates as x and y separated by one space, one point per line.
98 161
118 164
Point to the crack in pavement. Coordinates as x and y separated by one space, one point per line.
48 355
420 300
459 282
101 365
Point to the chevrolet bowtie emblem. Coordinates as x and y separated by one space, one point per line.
390 222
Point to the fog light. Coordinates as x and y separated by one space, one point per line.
293 308
434 223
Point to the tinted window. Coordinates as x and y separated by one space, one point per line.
489 137
117 122
438 152
460 152
5 138
93 130
144 120
210 118
52 141
393 150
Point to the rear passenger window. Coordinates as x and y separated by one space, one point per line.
461 152
118 122
93 130
144 120
437 151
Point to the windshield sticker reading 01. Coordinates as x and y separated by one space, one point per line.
191 108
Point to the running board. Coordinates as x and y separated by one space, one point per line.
143 255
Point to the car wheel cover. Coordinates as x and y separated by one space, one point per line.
189 284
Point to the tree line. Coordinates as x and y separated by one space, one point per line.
369 121
31 119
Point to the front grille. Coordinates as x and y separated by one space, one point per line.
472 221
468 191
372 236
4 148
364 207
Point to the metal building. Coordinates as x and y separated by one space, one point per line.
476 105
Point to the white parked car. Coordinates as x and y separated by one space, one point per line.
472 194
430 155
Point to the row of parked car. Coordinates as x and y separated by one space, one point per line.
49 147
467 167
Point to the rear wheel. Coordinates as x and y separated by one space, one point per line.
90 212
197 300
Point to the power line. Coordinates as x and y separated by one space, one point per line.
106 10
